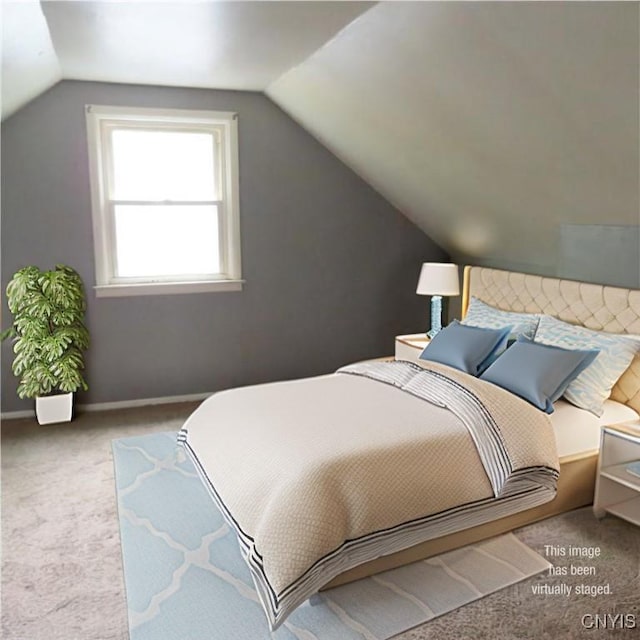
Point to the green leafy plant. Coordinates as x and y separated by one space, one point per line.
48 330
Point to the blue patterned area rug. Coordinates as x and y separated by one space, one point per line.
186 580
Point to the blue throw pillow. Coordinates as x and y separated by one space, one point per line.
536 372
470 349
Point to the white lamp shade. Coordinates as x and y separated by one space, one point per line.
438 279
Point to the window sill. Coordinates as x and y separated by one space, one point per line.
166 288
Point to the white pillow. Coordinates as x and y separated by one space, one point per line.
481 314
593 386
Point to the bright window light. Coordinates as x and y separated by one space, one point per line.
166 240
163 165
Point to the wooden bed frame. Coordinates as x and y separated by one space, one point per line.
599 307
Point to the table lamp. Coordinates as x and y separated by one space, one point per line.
438 279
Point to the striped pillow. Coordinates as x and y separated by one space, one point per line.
484 315
593 386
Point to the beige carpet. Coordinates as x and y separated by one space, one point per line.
62 575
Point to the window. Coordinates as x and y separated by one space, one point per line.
165 200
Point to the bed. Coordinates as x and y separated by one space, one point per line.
329 479
598 307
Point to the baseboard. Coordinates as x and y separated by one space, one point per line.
16 415
143 402
108 406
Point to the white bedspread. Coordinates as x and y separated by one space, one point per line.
319 475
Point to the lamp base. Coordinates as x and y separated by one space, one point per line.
436 317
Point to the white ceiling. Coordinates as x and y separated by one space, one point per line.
224 45
489 124
207 44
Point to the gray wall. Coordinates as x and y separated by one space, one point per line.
601 253
330 266
606 254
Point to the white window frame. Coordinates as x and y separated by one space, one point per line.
224 125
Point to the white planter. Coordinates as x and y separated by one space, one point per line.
51 409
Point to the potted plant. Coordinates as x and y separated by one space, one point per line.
49 338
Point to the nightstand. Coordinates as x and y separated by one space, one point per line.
410 347
617 490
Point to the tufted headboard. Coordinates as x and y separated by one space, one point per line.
594 306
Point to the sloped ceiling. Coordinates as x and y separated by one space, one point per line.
29 62
489 124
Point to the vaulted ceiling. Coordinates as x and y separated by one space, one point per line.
489 124
208 44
